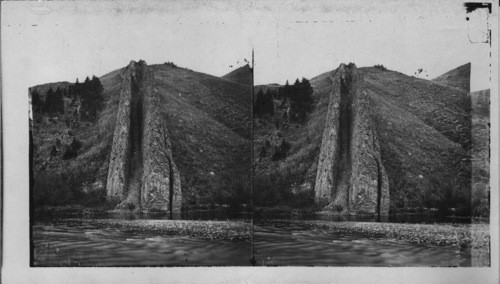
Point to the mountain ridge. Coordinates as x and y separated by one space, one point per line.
458 77
241 75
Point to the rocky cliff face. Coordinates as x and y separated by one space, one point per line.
350 175
142 174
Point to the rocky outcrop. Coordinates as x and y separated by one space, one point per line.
116 185
161 181
142 174
350 177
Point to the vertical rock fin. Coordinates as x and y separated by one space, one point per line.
350 178
142 174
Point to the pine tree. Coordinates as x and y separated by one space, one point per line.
301 100
269 102
36 101
90 93
49 101
264 103
286 91
258 106
58 104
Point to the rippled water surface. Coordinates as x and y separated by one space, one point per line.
83 242
284 243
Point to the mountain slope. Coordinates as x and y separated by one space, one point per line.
480 153
424 133
207 121
423 129
458 77
242 75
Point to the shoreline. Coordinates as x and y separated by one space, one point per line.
465 235
473 235
206 229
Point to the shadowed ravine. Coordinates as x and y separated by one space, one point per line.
136 126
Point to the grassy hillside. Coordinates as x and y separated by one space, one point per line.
80 180
458 77
480 151
227 102
290 181
208 120
242 75
424 133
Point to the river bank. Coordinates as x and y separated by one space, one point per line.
207 230
474 235
89 241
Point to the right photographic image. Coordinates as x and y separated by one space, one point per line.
371 134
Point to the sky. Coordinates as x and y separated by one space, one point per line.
62 41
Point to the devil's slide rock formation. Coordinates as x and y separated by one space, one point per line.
350 175
142 174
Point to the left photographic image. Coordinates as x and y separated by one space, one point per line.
140 134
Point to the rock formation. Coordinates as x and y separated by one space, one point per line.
142 174
350 175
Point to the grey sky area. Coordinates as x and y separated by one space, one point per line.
60 41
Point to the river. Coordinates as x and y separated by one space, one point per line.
61 241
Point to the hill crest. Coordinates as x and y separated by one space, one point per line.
458 77
242 75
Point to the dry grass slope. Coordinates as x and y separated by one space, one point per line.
480 152
242 75
424 132
458 77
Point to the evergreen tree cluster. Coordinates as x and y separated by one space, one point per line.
300 98
171 64
54 101
90 95
264 103
36 101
